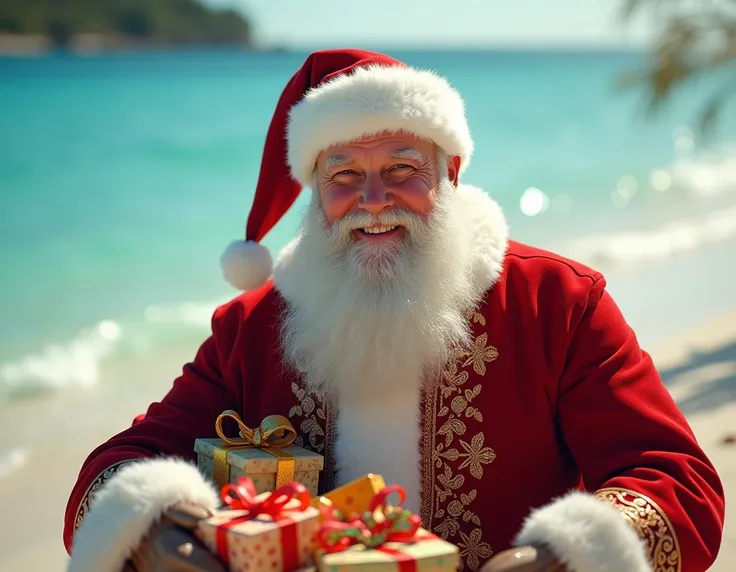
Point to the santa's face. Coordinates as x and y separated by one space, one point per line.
380 280
376 195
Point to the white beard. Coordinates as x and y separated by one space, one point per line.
368 326
377 318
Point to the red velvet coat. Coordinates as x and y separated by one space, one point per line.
556 394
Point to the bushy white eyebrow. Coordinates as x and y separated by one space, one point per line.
334 161
409 153
337 161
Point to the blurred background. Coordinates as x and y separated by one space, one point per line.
131 134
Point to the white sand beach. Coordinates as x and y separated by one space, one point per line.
699 366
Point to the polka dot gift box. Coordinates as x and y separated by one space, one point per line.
271 531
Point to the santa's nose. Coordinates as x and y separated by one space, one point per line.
374 197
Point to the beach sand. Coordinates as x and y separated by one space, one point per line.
699 367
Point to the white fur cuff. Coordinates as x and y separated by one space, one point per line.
587 535
128 505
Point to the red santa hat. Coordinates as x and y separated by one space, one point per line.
339 96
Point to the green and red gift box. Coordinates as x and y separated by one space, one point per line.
282 532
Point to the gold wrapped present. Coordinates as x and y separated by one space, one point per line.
353 497
264 454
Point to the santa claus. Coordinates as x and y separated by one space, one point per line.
404 334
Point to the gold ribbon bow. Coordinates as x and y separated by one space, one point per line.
274 432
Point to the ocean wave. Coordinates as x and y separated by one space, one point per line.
76 362
188 313
699 173
632 247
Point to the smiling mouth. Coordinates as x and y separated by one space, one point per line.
378 229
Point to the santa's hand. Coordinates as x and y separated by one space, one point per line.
524 559
171 546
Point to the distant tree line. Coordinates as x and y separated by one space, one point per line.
164 22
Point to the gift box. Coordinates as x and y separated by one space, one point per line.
427 553
271 531
384 538
264 454
353 497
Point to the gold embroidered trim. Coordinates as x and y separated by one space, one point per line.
317 423
650 523
97 483
328 482
310 408
450 419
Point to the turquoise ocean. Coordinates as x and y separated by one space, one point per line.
123 177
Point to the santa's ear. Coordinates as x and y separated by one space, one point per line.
453 169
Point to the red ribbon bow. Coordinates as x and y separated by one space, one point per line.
242 496
380 524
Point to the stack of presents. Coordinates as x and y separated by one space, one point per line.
274 519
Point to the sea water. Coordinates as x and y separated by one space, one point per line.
124 176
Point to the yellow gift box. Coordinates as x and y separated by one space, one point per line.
353 497
264 454
427 553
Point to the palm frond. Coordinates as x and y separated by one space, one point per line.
690 45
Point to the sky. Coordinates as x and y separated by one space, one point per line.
427 23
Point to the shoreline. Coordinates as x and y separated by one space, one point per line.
698 366
37 45
20 45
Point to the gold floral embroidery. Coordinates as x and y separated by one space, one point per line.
310 425
306 403
479 354
459 508
453 450
318 425
97 484
477 318
476 455
650 523
473 549
452 380
461 404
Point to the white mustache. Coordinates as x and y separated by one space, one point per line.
395 217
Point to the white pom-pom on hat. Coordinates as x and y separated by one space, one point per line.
246 265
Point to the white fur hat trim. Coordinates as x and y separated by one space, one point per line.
375 99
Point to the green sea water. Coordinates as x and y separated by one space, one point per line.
123 177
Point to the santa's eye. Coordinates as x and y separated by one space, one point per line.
346 174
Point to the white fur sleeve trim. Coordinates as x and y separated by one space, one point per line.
587 535
128 505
